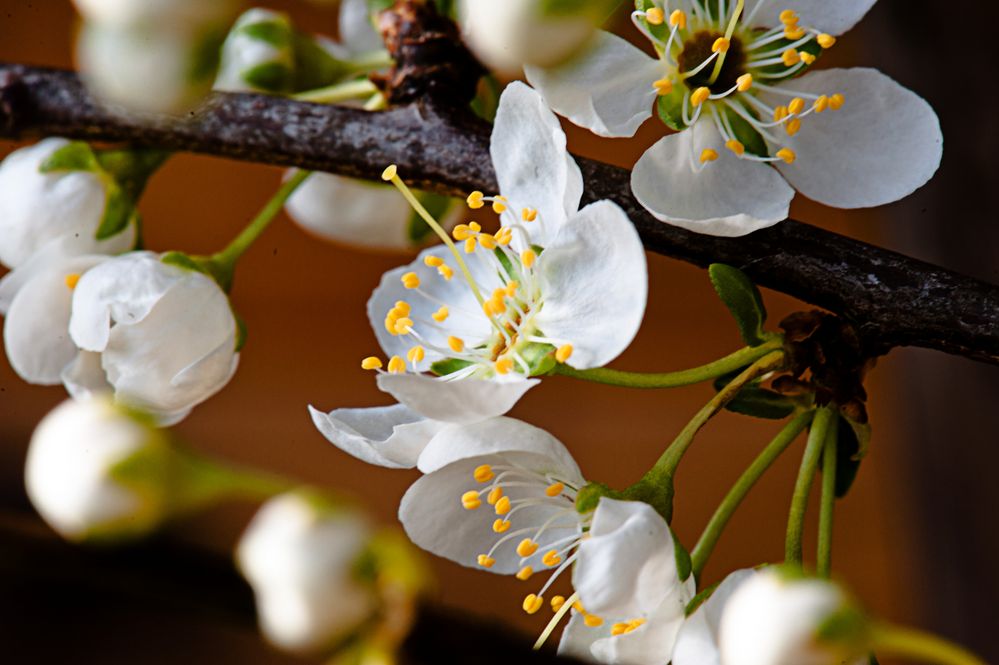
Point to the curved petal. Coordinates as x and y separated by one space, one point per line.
833 17
390 436
606 89
578 638
627 566
463 401
728 197
697 641
533 167
650 643
85 376
884 143
58 255
595 282
357 32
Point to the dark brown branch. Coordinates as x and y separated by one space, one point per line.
893 300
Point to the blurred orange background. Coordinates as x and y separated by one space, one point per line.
303 302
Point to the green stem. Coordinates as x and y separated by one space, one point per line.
827 502
824 418
720 367
912 643
712 532
339 92
204 481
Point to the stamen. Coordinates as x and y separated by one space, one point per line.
526 548
793 126
527 258
557 602
502 504
525 574
72 280
486 561
416 354
708 155
721 45
787 155
501 526
371 362
700 96
555 489
790 57
456 344
788 17
655 16
563 353
736 147
528 214
503 365
744 82
474 200
396 365
411 280
593 621
663 86
441 315
470 500
836 102
796 106
826 41
678 19
562 610
483 473
551 558
533 603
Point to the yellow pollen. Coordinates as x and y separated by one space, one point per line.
483 473
511 288
780 113
578 606
634 624
563 353
433 261
551 558
533 603
488 241
470 246
402 326
736 147
499 526
655 16
593 621
446 272
486 561
788 17
663 86
836 102
403 307
474 201
456 344
826 41
618 629
787 155
700 96
371 362
806 57
554 489
470 500
527 257
441 315
397 365
557 603
416 354
502 504
793 32
461 232
411 280
744 82
524 574
503 365
474 227
528 214
793 126
527 547
796 106
72 280
390 172
790 57
721 45
505 235
495 494
708 155
678 19
499 207
821 104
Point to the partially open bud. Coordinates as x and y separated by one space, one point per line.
258 54
98 472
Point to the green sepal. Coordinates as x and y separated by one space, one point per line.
241 331
590 494
75 156
701 598
743 299
449 366
847 626
852 440
540 358
746 134
661 31
670 108
185 261
278 34
314 66
269 77
684 566
417 230
487 95
375 6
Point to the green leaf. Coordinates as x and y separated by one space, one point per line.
448 366
746 134
437 205
75 156
743 299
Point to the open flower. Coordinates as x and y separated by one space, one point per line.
725 74
39 208
554 284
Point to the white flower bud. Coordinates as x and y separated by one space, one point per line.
301 557
38 208
96 472
772 619
258 54
165 334
164 13
509 34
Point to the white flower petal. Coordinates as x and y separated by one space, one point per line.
578 638
357 33
533 168
462 401
881 146
697 641
728 197
391 436
627 566
831 16
650 643
84 376
595 282
606 89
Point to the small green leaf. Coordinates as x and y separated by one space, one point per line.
75 156
743 299
702 596
448 366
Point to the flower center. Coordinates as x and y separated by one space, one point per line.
698 49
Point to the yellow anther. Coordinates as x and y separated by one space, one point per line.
503 365
780 113
793 32
390 325
470 246
721 45
390 172
456 344
511 289
593 621
736 147
483 473
708 155
446 271
411 280
788 17
72 280
678 19
532 603
796 106
495 494
578 606
821 104
793 126
474 227
499 205
524 574
557 603
440 316
806 57
700 96
402 326
528 257
528 214
551 558
470 500
744 82
527 547
663 86
634 624
461 232
486 561
499 526
505 235
492 308
655 16
402 307
416 354
502 505
487 240
554 489
618 629
433 261
826 41
371 362
396 365
836 102
790 57
474 200
787 155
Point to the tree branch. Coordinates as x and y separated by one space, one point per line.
893 300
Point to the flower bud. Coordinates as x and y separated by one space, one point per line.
96 472
258 54
162 13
